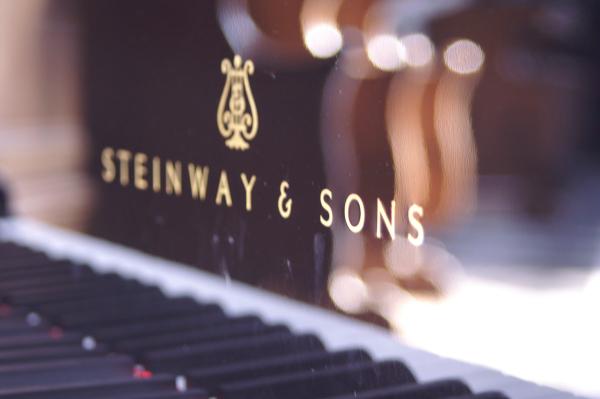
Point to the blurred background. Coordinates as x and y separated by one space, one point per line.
486 113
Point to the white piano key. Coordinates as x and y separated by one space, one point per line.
486 380
439 368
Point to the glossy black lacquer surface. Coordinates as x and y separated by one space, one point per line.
500 90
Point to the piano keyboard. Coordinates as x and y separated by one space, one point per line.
83 318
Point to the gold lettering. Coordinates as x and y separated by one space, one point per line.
327 222
156 174
416 224
248 187
108 164
223 190
140 170
390 222
355 228
124 157
198 180
173 177
284 207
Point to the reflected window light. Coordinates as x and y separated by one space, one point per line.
464 57
404 260
323 40
592 288
419 49
348 291
386 52
385 295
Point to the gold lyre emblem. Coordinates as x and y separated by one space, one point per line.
237 124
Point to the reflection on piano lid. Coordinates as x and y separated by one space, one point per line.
169 331
304 147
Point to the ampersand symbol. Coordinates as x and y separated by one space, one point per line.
285 206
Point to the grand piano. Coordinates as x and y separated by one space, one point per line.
269 184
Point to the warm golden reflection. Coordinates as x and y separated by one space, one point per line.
454 133
321 33
464 57
407 139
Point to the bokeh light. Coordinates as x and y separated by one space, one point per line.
386 52
419 49
464 57
323 40
348 291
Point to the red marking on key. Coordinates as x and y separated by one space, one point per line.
5 310
56 332
140 372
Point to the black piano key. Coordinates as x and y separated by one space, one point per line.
22 323
46 269
24 331
44 337
120 300
11 312
24 261
128 329
35 261
10 356
336 381
43 281
152 386
211 377
60 372
224 352
144 311
138 346
10 249
9 286
192 394
432 390
12 317
73 291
